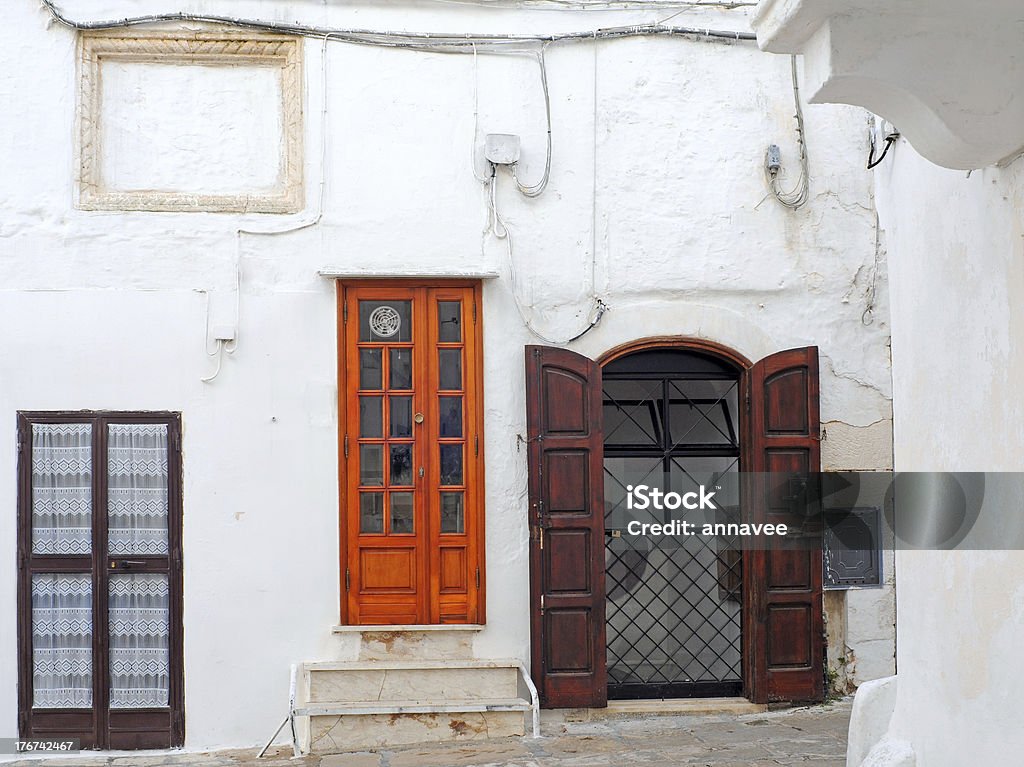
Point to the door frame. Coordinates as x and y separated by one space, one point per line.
346 290
100 711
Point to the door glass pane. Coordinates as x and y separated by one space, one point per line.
449 367
451 464
401 416
449 321
385 321
401 513
703 413
371 421
62 641
633 412
370 373
137 488
61 488
401 465
401 369
453 516
371 465
450 414
140 665
371 512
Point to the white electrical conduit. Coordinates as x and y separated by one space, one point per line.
424 41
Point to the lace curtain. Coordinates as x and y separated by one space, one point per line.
61 488
62 640
137 488
139 654
62 603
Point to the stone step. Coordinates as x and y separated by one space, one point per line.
412 680
337 734
414 706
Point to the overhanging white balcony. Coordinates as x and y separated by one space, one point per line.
948 73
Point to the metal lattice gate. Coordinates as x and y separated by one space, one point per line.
673 619
674 612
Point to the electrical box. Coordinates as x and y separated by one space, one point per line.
501 148
223 333
773 158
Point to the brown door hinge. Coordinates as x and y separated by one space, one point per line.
348 580
478 577
346 446
474 312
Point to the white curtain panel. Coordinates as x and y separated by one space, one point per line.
62 640
137 488
139 655
61 488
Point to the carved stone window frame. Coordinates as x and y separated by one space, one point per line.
204 48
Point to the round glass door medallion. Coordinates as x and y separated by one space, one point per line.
385 321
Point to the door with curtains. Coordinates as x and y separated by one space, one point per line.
99 579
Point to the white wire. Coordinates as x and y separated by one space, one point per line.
476 119
437 42
602 5
288 227
499 229
798 196
535 190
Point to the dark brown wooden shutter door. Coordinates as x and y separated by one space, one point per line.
563 408
785 639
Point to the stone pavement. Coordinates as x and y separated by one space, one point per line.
813 736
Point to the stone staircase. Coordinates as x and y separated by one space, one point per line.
396 697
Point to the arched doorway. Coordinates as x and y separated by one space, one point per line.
674 620
779 594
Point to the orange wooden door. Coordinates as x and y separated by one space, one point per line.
411 479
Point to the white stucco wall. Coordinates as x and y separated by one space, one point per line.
956 261
656 178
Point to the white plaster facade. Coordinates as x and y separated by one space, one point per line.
657 190
955 243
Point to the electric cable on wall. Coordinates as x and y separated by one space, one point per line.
798 196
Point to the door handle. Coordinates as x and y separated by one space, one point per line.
124 564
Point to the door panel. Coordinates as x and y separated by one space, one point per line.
785 643
563 392
100 598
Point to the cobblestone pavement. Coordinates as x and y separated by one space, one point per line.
814 736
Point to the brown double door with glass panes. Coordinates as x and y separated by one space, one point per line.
99 579
411 465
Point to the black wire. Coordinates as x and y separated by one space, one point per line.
889 141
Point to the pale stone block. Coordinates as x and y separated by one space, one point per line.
429 645
340 686
338 734
416 684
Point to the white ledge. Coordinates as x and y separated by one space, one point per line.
406 274
947 73
391 629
